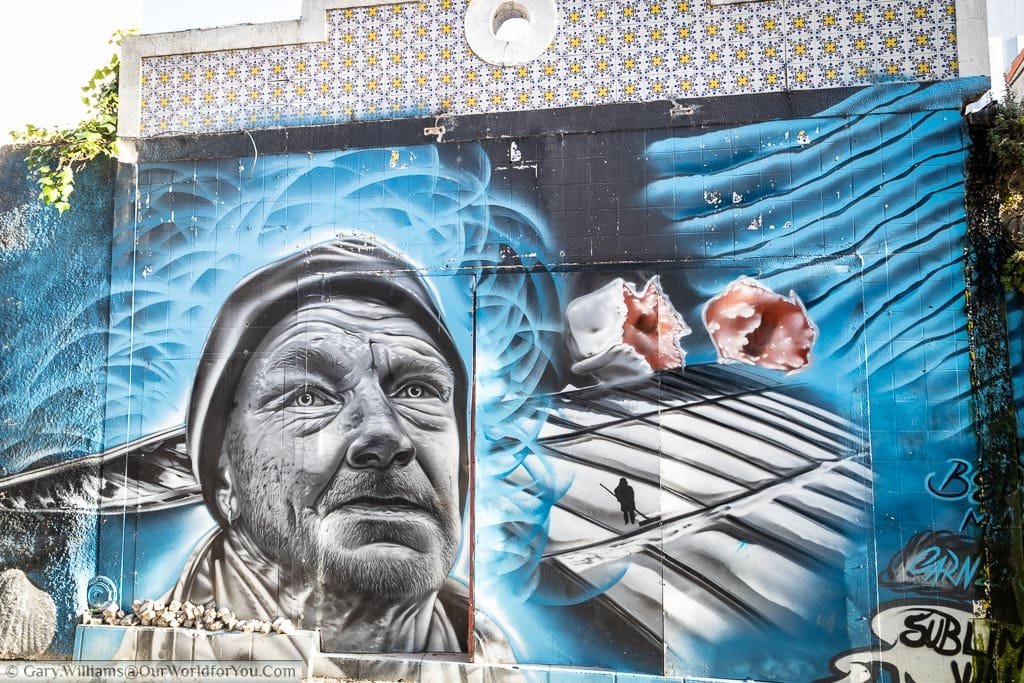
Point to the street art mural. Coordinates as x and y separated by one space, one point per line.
732 469
326 429
683 402
936 641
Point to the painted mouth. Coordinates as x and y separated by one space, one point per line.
390 505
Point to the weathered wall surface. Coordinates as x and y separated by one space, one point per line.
818 490
412 59
54 286
663 393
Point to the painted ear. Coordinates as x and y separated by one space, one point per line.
224 496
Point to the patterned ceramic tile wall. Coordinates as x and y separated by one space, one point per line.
412 59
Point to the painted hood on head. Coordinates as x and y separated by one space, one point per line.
354 268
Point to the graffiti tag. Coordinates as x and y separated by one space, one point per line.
935 562
958 482
938 643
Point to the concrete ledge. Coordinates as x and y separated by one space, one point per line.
430 668
114 642
186 644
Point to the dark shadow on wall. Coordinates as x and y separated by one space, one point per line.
998 461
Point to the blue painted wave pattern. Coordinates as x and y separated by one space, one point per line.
884 184
881 184
199 228
54 274
878 178
53 309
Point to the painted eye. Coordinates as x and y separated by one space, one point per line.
416 390
306 399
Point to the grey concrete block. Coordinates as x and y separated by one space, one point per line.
565 675
100 642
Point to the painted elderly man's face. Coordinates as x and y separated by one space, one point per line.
343 448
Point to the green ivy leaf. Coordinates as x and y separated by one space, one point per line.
57 153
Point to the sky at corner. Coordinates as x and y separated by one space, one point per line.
50 48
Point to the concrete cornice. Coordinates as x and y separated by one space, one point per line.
972 37
311 27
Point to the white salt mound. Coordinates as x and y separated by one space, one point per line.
28 617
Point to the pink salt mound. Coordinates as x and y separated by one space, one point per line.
621 332
652 326
750 323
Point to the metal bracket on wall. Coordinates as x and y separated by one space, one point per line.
442 124
438 131
682 109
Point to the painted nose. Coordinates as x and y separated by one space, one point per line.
381 442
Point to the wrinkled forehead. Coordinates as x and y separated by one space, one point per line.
350 325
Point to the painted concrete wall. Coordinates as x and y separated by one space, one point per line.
54 306
816 490
602 389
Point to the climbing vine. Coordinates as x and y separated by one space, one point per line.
1007 141
56 154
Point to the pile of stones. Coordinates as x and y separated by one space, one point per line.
175 614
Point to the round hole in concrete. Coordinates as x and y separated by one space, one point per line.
511 22
510 32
